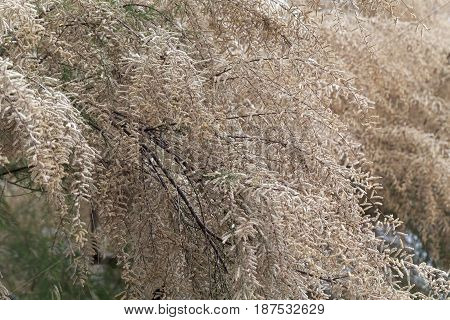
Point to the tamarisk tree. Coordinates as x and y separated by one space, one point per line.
197 141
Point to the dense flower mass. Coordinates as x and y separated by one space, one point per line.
234 148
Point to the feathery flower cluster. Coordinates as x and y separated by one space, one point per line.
203 139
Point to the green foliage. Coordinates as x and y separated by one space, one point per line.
145 13
66 74
34 265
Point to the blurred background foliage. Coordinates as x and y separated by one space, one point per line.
33 264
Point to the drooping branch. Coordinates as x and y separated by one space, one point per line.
8 171
208 233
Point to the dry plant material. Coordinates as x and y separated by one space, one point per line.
201 137
407 76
